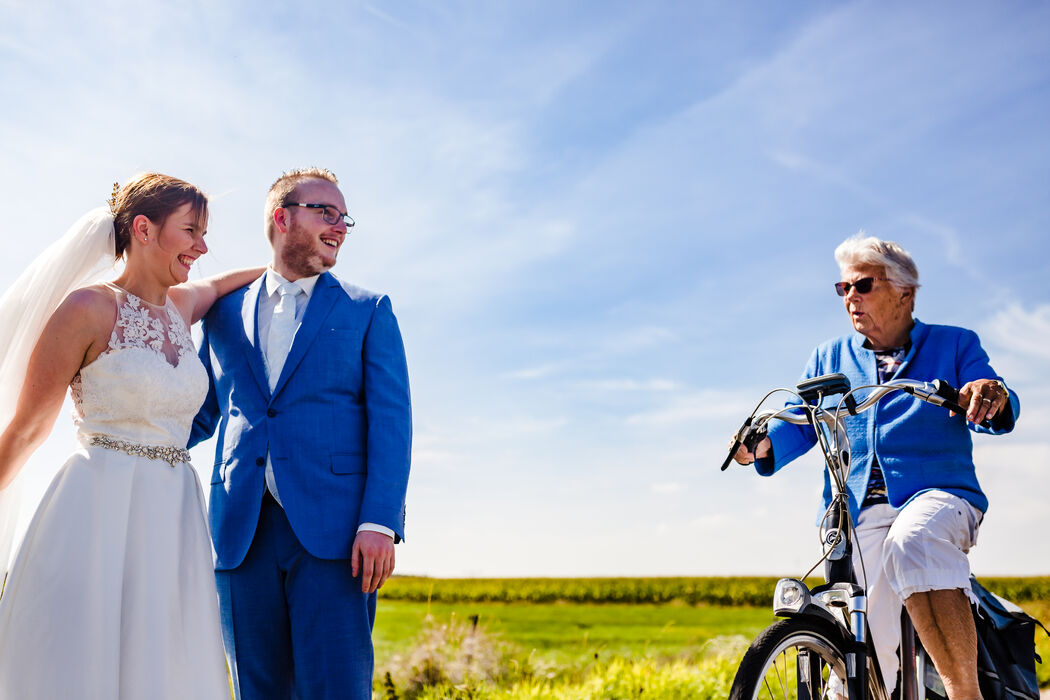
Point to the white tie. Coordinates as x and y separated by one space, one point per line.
282 330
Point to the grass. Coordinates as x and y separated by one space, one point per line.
566 632
578 651
708 679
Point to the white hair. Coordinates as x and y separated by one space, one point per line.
861 249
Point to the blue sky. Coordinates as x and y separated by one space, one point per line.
606 229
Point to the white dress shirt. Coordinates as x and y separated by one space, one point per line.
267 304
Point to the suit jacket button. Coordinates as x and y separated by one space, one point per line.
260 461
270 413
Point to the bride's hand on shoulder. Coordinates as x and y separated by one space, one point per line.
76 334
195 298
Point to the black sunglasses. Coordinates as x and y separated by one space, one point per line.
863 285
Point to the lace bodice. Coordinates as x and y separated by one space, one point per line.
148 384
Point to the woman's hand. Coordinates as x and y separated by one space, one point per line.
744 456
983 399
193 299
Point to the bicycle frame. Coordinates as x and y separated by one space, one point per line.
843 600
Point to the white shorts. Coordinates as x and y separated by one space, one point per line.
926 543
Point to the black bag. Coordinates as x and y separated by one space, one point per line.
1005 647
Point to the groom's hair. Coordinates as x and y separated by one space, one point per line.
282 190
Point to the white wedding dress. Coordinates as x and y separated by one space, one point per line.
112 593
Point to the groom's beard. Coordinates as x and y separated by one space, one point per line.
305 254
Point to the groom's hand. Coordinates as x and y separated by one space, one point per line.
373 557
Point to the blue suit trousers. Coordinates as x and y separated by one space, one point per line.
291 622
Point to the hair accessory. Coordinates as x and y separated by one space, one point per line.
113 198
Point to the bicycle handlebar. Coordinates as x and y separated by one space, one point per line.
951 399
938 392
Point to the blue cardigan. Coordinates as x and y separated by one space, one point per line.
919 446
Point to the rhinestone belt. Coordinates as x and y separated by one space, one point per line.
171 455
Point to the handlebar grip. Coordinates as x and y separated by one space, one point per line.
951 400
950 395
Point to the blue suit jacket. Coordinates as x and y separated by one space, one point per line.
919 446
338 425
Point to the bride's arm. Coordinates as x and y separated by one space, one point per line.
73 333
195 298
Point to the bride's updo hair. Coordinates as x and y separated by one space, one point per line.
155 196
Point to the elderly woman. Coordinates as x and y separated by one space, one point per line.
913 491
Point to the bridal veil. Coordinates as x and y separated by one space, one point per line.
83 254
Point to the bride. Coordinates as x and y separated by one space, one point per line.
112 592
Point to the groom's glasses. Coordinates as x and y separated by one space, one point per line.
329 214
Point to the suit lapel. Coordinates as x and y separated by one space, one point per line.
321 301
249 307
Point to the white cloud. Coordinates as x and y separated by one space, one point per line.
631 385
695 408
386 17
713 523
668 487
638 338
536 372
472 430
1022 331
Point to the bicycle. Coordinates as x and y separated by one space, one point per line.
822 648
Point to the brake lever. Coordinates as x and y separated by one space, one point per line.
755 436
737 441
747 436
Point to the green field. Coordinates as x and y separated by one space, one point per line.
571 632
711 590
559 650
489 638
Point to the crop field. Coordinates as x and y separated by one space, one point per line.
738 590
588 638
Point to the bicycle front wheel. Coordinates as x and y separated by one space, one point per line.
792 659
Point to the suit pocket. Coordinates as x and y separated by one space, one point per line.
348 464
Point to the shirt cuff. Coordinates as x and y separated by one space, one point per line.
372 527
765 465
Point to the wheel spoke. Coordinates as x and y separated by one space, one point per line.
781 673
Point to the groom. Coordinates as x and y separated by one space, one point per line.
309 391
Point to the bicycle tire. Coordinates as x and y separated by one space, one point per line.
769 669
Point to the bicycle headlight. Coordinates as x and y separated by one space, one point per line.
790 596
